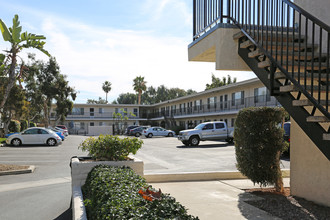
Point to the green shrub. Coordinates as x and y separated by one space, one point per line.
32 124
24 125
108 147
259 143
112 193
14 126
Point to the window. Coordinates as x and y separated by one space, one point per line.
91 124
135 111
101 110
116 110
237 98
221 102
208 127
261 95
102 123
91 111
125 111
233 122
225 100
211 102
77 111
219 125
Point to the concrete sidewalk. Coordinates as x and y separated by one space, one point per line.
213 200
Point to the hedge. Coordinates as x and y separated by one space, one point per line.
259 143
113 193
14 126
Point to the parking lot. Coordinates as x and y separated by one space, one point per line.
46 193
169 155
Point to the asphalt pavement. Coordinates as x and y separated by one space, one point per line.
46 193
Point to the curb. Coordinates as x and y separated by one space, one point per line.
205 176
15 172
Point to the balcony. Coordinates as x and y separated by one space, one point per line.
218 108
94 116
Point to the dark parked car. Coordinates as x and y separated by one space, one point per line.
137 132
129 128
286 136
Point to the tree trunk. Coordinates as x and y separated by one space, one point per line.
11 80
279 182
139 98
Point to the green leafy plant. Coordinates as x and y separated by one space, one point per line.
14 126
113 193
32 124
259 144
109 147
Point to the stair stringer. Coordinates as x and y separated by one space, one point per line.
313 130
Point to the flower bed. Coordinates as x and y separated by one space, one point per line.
117 193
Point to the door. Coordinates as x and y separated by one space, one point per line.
220 131
31 136
208 131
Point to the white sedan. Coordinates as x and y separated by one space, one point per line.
158 131
34 135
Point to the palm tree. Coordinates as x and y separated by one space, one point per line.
106 88
18 42
139 85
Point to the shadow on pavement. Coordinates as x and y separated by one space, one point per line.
67 215
206 146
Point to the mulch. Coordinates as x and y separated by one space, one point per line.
9 167
286 206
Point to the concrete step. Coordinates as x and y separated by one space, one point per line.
306 102
301 75
296 65
326 136
293 88
319 119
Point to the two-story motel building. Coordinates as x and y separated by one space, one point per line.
222 103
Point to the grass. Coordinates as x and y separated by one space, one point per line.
2 140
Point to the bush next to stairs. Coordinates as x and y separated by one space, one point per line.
259 144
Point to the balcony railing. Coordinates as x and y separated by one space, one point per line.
95 115
218 107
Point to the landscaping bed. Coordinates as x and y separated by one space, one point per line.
9 167
119 193
287 207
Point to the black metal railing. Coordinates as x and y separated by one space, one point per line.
218 107
296 43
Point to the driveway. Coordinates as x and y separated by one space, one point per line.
44 194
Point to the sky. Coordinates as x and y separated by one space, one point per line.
99 40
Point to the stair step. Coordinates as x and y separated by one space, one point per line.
280 75
293 88
306 102
303 56
295 64
278 45
238 35
326 136
264 64
317 119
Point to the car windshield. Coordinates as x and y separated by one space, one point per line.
51 131
199 127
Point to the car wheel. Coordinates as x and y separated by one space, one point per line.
149 135
194 141
16 142
51 142
137 134
170 134
230 140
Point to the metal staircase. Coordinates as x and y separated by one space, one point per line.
291 58
287 48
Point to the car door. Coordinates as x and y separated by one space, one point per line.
30 136
155 132
220 131
162 132
208 131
